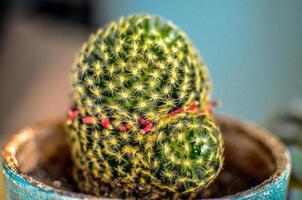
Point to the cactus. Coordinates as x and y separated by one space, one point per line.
140 118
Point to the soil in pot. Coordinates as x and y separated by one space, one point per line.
232 179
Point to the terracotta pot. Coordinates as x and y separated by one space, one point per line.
37 164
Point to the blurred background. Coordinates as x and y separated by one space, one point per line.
253 50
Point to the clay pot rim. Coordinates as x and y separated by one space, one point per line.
279 152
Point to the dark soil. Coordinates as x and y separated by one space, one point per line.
57 173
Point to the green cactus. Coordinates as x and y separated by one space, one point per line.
140 117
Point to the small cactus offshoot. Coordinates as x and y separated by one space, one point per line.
141 115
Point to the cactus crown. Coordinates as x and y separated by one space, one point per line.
139 116
138 67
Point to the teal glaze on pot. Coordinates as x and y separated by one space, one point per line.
275 190
19 188
18 157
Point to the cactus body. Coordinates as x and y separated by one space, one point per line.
139 119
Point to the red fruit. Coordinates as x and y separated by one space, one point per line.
105 123
122 128
192 107
176 111
148 127
87 120
143 122
72 114
128 126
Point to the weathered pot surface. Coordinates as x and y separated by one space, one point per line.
37 164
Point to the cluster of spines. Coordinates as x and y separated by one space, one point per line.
131 78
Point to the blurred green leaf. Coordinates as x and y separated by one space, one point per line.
296 155
288 131
295 109
295 194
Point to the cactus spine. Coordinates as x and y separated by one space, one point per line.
139 118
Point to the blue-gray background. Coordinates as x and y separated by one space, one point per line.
252 48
